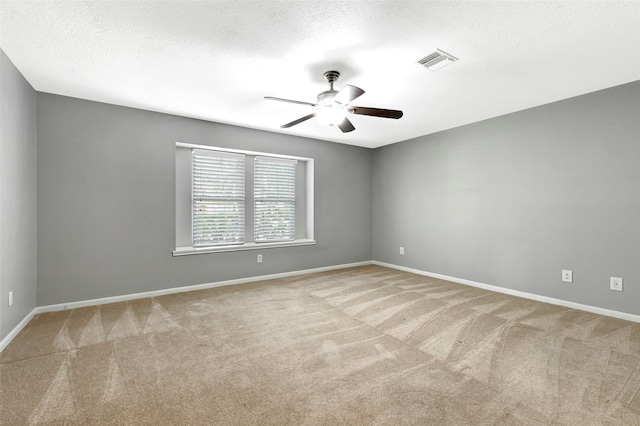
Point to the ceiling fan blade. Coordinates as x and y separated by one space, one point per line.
347 94
298 121
377 112
271 98
346 126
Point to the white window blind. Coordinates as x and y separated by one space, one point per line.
218 198
275 199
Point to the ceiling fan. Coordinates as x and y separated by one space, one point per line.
332 106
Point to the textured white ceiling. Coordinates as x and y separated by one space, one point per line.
216 60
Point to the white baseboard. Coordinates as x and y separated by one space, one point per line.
17 329
156 293
523 294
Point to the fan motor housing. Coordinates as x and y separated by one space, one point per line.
326 97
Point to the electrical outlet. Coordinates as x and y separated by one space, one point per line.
259 258
402 250
567 276
615 283
10 298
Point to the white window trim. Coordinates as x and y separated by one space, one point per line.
183 251
310 240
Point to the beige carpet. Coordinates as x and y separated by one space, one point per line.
366 345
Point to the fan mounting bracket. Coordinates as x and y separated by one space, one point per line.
332 76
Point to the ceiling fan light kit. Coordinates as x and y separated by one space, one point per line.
331 114
332 106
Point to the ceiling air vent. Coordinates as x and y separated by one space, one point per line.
437 60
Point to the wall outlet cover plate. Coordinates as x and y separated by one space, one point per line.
615 283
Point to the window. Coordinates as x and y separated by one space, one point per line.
240 200
275 199
218 198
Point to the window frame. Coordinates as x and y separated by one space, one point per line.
303 236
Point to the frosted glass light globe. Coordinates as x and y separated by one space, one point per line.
331 115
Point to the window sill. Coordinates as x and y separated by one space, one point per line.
186 251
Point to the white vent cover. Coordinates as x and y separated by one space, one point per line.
437 60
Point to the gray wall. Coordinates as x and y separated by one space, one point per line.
106 202
509 201
513 200
18 245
